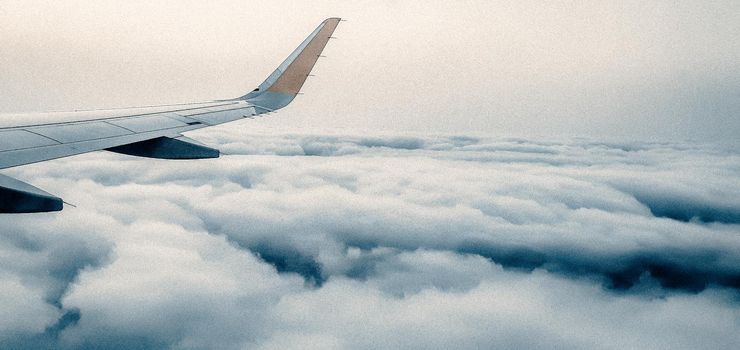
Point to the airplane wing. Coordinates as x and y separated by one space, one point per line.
154 132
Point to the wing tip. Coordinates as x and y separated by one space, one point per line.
286 81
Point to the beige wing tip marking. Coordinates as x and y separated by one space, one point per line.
293 78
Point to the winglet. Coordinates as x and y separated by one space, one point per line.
279 89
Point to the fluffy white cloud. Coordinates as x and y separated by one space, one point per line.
23 308
170 286
506 310
340 241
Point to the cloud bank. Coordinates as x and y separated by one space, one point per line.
354 241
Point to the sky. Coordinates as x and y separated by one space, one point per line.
497 175
658 70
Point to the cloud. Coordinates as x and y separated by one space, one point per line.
571 208
505 310
170 284
24 309
375 241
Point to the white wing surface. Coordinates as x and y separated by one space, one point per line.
154 132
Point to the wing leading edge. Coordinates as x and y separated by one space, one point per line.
154 132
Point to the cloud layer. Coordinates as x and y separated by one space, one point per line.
345 241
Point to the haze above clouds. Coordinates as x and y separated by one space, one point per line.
642 70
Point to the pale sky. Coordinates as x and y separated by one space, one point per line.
605 69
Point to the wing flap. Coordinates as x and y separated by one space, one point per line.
20 139
220 117
144 124
69 133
